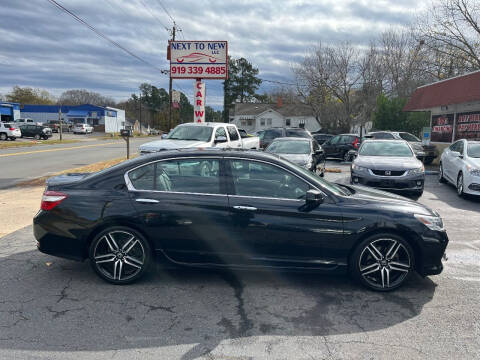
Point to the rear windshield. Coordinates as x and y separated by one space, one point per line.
289 147
272 134
298 133
473 150
386 148
408 137
199 133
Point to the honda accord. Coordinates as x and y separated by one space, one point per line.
242 209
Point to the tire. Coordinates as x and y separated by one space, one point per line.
346 157
382 262
13 138
460 185
428 160
120 255
37 137
441 178
418 194
3 136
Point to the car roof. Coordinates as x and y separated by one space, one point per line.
384 140
291 138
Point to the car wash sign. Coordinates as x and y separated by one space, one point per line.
198 59
199 108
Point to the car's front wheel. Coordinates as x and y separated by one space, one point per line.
460 186
120 255
382 262
441 178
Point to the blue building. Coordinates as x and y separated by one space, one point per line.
103 119
9 111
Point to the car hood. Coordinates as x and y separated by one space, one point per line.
387 162
373 198
167 144
299 159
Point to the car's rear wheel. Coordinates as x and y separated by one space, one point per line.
37 137
3 136
346 157
382 262
460 185
441 178
428 160
120 255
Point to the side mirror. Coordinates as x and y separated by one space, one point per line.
319 151
220 139
314 197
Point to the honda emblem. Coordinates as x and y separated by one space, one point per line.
388 172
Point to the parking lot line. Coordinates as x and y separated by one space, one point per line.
57 149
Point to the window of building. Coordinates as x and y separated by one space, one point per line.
262 122
288 122
269 122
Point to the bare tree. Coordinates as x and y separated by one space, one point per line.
451 30
82 96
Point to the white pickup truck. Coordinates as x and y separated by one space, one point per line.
202 135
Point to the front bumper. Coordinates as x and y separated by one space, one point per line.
393 183
471 184
433 249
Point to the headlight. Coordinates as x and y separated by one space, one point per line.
432 222
307 165
417 171
473 171
359 169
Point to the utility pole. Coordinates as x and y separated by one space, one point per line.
170 87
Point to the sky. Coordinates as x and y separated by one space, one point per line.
43 47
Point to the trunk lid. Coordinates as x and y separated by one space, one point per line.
66 179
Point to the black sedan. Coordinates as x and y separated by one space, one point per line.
239 209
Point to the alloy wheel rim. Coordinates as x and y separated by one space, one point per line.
384 263
440 172
346 157
460 185
119 255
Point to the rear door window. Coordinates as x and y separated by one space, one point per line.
383 136
232 133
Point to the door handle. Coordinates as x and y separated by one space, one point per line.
147 201
246 208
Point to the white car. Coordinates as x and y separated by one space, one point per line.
201 135
460 165
9 131
82 129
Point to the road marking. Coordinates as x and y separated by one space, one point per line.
58 149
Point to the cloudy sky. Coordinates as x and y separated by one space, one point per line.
43 47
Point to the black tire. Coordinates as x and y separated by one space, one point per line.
373 265
441 179
346 157
129 252
3 137
428 160
37 137
460 185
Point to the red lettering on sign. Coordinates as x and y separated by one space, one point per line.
198 113
199 94
199 85
199 102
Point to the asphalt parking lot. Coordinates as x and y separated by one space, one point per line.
52 308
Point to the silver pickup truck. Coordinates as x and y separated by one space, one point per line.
202 135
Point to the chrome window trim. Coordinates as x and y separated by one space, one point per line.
265 197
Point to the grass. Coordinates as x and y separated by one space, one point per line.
14 144
83 169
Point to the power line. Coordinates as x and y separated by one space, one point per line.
278 82
152 14
166 11
102 35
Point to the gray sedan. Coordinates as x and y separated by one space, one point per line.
388 165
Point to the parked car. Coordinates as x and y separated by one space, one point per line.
9 131
388 165
270 134
22 121
249 141
36 131
246 209
55 126
426 153
301 151
321 138
339 146
201 135
82 129
460 165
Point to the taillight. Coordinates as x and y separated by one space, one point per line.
50 199
355 143
11 129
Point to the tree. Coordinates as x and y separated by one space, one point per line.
82 96
28 95
389 115
451 30
211 115
241 85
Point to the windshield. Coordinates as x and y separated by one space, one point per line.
408 137
199 133
289 147
385 148
298 133
473 150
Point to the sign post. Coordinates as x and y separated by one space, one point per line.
198 60
426 135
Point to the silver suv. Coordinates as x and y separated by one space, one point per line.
9 131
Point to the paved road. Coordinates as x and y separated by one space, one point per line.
58 309
24 163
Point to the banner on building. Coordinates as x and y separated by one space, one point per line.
199 102
468 126
442 128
